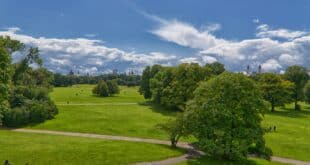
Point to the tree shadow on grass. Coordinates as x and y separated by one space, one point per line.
166 111
210 161
290 112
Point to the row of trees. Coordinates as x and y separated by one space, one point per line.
108 88
61 80
174 86
23 89
222 110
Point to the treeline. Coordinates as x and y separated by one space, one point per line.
61 80
222 110
24 90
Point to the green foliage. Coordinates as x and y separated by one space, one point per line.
5 69
61 80
275 90
29 105
27 101
175 128
174 86
101 89
299 76
215 68
7 46
225 117
112 87
148 73
307 92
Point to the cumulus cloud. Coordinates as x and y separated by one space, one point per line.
264 31
274 49
186 35
87 55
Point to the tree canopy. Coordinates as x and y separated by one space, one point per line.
299 76
275 89
226 114
24 89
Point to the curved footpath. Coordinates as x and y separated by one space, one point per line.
192 153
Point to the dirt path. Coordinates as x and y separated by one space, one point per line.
70 104
191 152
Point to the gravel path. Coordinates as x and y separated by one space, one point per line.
192 153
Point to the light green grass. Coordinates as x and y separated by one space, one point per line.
292 138
125 120
83 94
209 161
37 149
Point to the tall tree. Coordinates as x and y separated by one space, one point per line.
148 73
7 46
307 92
225 117
276 90
299 76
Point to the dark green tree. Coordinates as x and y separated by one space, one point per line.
226 115
112 87
101 89
275 89
299 76
307 92
215 68
148 73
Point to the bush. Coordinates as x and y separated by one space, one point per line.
101 89
112 87
16 117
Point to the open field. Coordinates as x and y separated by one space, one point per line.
83 94
291 139
37 149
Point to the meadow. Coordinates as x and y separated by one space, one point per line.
128 114
37 149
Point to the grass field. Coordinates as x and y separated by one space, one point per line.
138 120
291 140
36 149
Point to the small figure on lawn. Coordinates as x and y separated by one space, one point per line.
6 162
274 128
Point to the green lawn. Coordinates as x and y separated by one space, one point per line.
83 94
21 148
209 161
292 139
126 120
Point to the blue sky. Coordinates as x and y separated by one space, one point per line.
96 36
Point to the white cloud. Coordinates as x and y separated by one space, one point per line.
256 20
87 55
271 65
187 35
189 60
264 31
275 49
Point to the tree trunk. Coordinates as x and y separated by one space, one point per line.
296 106
272 108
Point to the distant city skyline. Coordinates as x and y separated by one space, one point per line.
99 36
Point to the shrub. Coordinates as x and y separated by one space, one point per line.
101 89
